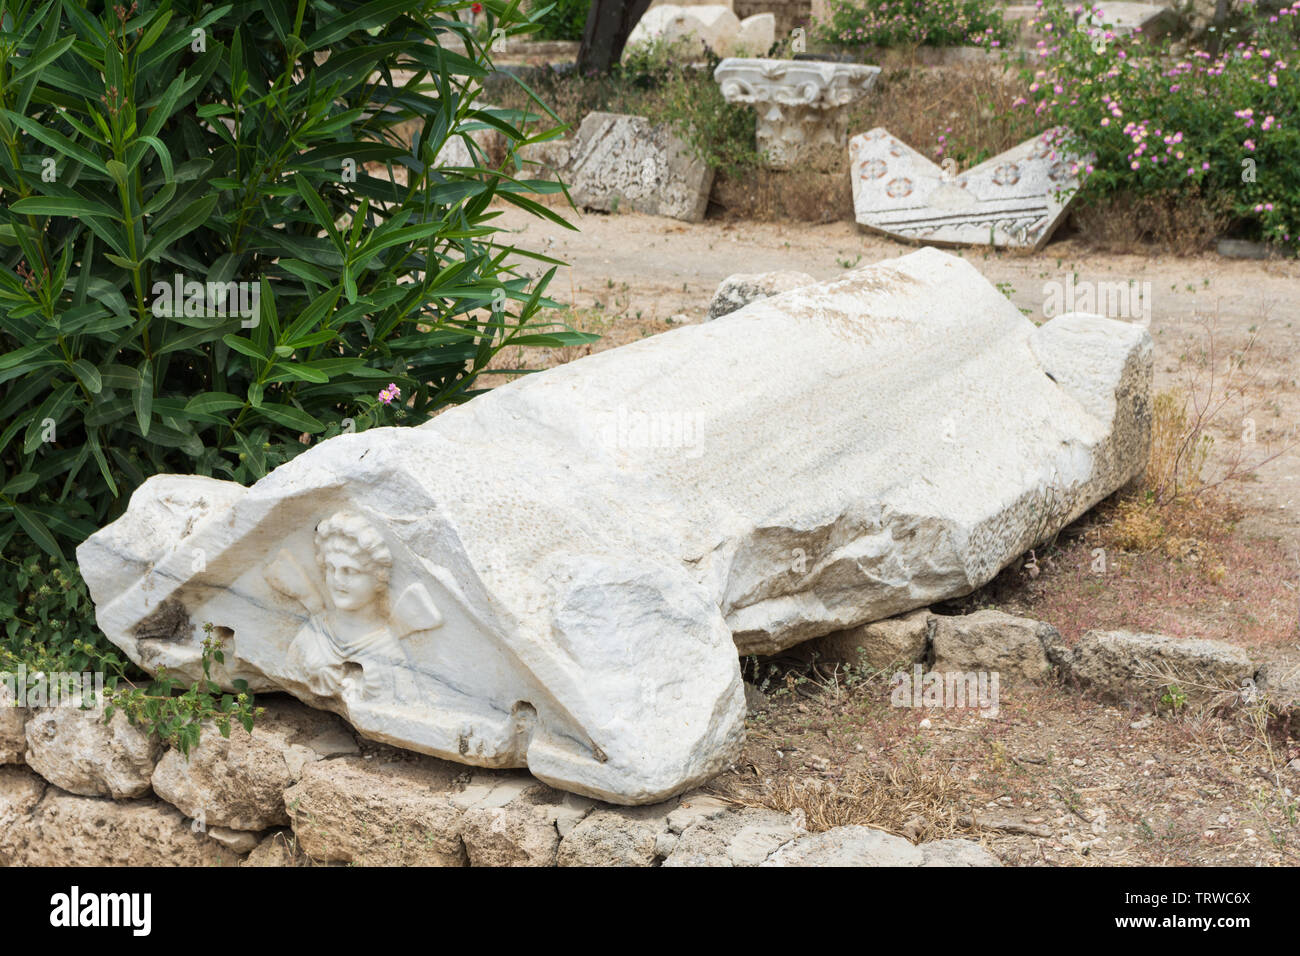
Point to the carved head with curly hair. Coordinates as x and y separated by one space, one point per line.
354 560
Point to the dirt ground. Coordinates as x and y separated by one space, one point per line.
1055 778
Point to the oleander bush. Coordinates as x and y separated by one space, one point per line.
1178 126
912 23
220 243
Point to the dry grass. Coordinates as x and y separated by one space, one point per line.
818 191
1182 223
907 800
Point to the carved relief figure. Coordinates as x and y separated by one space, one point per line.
351 646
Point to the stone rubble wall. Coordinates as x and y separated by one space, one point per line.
302 789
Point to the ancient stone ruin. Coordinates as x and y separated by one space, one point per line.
560 574
801 104
1015 199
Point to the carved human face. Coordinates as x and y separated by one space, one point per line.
351 583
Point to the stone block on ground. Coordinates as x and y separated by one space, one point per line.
13 721
615 836
373 813
1279 682
847 846
991 641
68 830
1127 666
621 162
894 641
743 837
76 750
239 781
560 573
691 29
1016 199
277 848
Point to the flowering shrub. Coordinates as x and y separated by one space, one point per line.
1225 127
223 230
886 23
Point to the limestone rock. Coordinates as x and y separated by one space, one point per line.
901 640
239 781
76 750
956 853
279 848
520 833
1122 665
1016 199
739 290
991 641
618 161
373 813
847 846
745 837
13 720
509 819
236 841
756 36
1279 681
559 573
20 791
615 837
699 27
68 830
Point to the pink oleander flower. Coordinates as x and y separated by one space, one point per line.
387 395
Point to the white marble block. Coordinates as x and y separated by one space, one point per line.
801 104
559 573
618 161
1017 198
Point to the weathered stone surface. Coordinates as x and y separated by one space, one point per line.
618 161
279 848
801 104
522 832
744 837
559 573
68 830
739 290
1015 199
694 29
956 853
1279 682
901 640
991 641
509 819
13 721
374 813
20 791
239 781
236 841
847 846
608 837
76 750
1122 665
